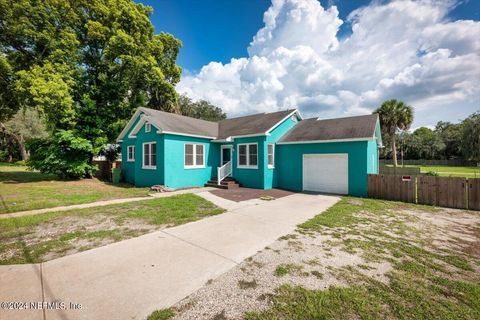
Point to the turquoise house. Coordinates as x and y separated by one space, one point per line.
264 151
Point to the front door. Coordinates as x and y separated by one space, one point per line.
226 154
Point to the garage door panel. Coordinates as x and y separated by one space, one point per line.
325 173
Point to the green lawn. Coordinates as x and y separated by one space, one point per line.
21 189
42 237
450 171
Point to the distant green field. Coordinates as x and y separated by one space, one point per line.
450 171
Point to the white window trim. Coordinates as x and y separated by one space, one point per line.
271 166
150 167
194 166
248 166
128 153
148 127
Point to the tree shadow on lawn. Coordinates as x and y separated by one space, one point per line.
16 177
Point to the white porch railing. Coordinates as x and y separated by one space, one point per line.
224 171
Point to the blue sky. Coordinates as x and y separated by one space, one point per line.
330 58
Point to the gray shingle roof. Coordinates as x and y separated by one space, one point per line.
253 124
332 129
248 125
182 124
306 130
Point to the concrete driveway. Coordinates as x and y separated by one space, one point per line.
130 279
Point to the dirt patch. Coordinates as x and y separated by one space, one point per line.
313 267
69 235
449 229
243 194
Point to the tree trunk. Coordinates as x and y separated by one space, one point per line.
23 149
19 139
394 150
21 145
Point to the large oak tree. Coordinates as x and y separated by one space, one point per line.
86 65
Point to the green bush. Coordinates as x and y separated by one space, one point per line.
20 163
64 154
432 174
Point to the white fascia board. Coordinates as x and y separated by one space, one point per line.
136 128
229 139
285 118
250 135
130 123
144 118
185 134
327 141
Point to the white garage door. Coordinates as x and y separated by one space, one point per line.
326 173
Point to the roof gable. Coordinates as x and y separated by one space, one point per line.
351 128
174 123
165 122
257 124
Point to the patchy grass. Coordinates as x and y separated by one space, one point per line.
163 314
343 214
46 236
374 300
317 274
284 269
21 189
424 281
244 284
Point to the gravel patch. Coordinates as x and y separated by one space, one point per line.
315 260
311 261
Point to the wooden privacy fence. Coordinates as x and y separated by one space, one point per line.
104 171
450 192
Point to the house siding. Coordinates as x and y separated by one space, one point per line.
149 177
128 167
176 175
271 174
287 172
250 178
372 151
290 163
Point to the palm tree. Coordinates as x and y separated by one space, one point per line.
394 115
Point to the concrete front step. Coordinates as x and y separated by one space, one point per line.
223 182
231 184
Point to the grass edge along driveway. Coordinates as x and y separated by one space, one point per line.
38 238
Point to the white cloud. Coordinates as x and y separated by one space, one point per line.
402 49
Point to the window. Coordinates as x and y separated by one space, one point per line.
248 155
149 155
148 127
131 153
271 155
194 156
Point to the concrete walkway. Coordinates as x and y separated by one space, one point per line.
100 203
132 278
